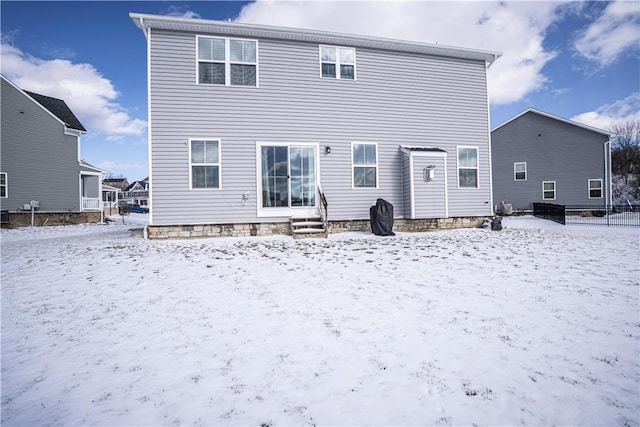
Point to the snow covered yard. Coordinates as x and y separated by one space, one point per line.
535 325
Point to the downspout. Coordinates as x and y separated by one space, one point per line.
607 172
147 36
143 28
492 212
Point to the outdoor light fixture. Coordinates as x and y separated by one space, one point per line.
327 149
429 172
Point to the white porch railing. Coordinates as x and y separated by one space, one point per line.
90 204
106 204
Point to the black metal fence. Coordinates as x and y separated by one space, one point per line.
549 211
607 215
612 216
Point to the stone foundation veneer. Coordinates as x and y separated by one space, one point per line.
23 219
284 228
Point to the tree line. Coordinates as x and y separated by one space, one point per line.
625 161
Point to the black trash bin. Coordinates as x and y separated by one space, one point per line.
381 216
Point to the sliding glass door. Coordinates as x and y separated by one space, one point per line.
288 176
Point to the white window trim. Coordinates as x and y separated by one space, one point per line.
276 212
514 171
6 185
205 164
477 168
412 189
337 62
554 190
227 61
589 188
353 184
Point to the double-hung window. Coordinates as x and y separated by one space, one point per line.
595 188
520 171
364 160
3 185
338 62
204 161
548 190
468 167
230 62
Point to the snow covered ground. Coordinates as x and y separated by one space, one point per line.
537 324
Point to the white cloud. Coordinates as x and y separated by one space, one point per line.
181 12
89 95
515 28
605 116
613 33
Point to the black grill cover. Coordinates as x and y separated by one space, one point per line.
381 216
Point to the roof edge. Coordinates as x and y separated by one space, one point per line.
552 116
144 21
26 93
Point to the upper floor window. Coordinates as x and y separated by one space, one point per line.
364 160
520 171
3 185
468 167
595 188
230 62
204 159
338 62
548 190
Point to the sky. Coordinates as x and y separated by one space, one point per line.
576 60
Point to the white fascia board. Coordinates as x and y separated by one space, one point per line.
144 21
88 165
70 131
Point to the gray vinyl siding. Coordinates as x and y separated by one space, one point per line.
397 99
554 151
41 162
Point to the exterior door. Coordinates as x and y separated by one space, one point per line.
288 177
429 187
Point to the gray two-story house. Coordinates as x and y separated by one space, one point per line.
252 128
40 166
540 157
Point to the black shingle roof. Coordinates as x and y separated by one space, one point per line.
59 109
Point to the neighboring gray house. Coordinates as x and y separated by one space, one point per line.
40 161
251 126
539 157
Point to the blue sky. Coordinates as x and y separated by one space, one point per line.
577 60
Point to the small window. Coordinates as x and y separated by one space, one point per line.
548 190
468 167
3 185
230 62
204 159
364 158
338 62
520 171
595 188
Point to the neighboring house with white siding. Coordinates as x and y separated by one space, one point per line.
41 161
136 193
251 126
540 157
